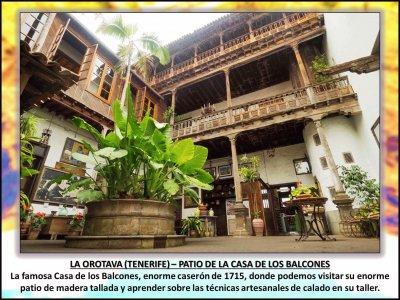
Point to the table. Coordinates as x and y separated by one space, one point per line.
56 225
209 225
319 230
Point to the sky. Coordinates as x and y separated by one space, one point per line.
167 26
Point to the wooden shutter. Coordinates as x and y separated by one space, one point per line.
324 163
57 41
348 158
140 96
87 61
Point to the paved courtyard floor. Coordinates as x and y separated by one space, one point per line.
269 244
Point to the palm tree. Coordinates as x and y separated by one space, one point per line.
136 51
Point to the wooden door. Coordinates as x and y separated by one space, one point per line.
57 40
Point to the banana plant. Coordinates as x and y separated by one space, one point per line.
139 160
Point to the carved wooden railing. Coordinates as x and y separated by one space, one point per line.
281 25
254 110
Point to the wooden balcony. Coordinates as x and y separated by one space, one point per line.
333 90
261 38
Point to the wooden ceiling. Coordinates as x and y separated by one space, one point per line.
274 136
245 79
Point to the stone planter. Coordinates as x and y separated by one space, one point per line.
74 232
128 223
258 227
24 228
34 233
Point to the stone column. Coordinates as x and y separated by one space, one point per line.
104 131
342 200
172 119
303 72
240 210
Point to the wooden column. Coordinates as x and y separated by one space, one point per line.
195 53
26 74
240 210
341 199
221 42
250 30
172 119
286 20
303 72
228 89
172 60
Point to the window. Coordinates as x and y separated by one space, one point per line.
31 28
301 166
317 140
148 105
101 79
324 163
348 158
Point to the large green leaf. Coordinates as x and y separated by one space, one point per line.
182 151
89 159
113 139
118 154
147 126
59 179
105 152
77 184
82 124
198 183
158 139
28 172
171 186
198 160
119 118
89 195
204 176
192 194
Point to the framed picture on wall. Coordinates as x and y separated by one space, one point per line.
302 166
53 192
188 201
224 171
212 171
72 146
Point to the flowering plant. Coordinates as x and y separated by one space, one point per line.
37 220
77 221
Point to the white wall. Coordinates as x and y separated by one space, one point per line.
61 129
350 36
342 136
263 93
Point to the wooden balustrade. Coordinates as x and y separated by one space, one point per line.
253 110
229 46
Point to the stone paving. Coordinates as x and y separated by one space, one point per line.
269 244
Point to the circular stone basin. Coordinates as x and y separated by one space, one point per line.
128 223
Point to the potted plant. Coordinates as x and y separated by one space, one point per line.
141 169
24 215
192 227
304 192
28 128
76 224
36 221
258 223
249 173
367 194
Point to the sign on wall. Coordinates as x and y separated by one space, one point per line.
72 146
